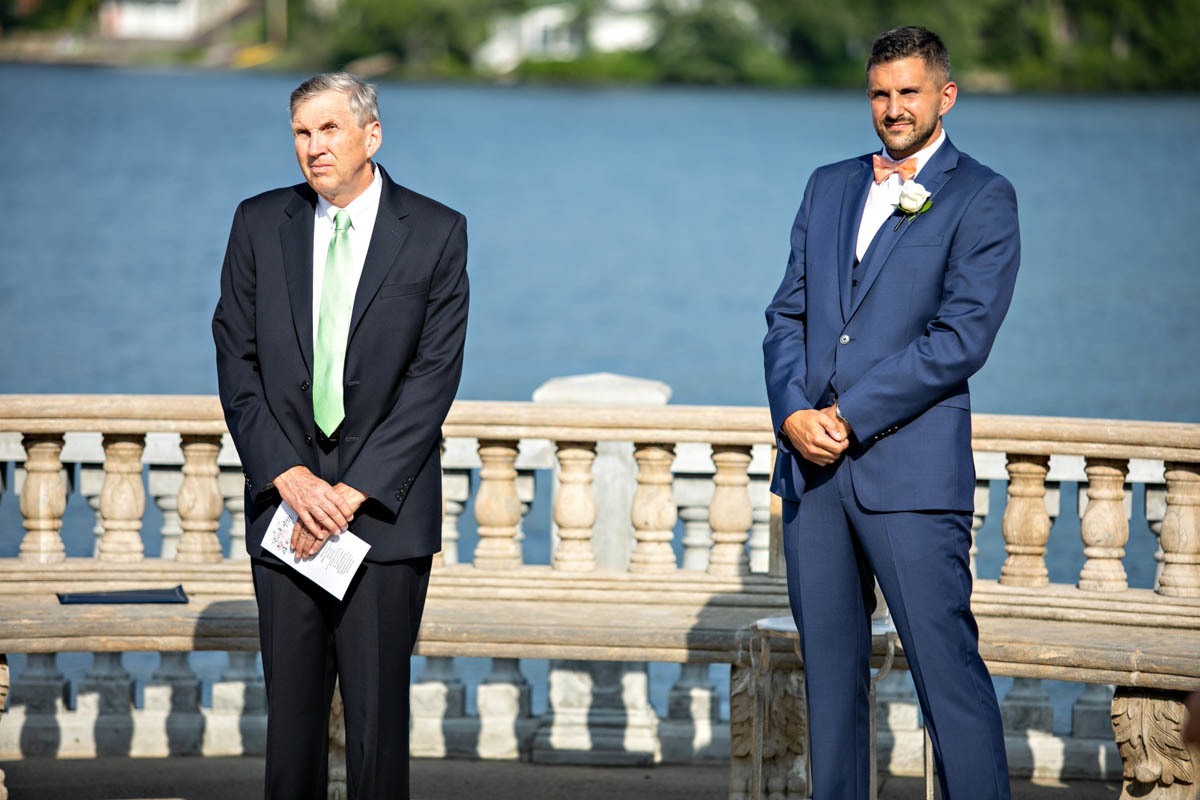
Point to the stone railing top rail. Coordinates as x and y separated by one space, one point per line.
731 425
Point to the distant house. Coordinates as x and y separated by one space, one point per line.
169 20
561 32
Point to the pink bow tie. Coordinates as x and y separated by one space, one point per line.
884 167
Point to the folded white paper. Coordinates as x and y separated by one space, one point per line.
331 568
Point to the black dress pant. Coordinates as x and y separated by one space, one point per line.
309 637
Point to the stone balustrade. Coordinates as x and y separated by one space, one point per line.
699 506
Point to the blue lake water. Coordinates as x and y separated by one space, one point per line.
638 231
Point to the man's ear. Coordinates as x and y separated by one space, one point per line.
374 138
949 95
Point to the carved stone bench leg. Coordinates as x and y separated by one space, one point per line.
3 700
1148 724
782 748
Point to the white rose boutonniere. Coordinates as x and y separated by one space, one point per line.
914 200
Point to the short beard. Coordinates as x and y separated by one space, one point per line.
916 136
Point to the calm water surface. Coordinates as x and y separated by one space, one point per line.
632 231
635 231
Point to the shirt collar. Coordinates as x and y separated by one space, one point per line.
924 154
365 202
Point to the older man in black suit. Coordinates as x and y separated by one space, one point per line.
339 338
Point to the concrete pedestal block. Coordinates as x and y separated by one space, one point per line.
106 697
1091 714
503 701
237 722
608 721
438 701
170 722
1027 708
36 700
692 730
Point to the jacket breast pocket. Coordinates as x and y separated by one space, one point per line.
403 289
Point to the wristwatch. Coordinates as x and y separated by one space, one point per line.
837 411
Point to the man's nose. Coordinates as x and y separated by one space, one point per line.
316 144
894 109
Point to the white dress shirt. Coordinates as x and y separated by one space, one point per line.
362 210
883 197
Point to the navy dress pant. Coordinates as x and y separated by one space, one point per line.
833 547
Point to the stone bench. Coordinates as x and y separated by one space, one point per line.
530 612
1147 644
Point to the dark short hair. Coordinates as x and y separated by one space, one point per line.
911 41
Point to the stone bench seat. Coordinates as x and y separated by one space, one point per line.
1133 638
533 612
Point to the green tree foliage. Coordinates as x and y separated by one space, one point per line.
711 43
74 15
434 38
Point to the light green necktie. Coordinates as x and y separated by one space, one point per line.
333 328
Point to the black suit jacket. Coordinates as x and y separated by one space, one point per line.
403 359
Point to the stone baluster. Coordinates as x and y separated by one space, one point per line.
1181 532
1027 707
1105 527
503 700
1026 522
760 528
237 721
898 716
165 481
106 697
123 498
654 512
575 508
39 694
1091 713
983 501
171 707
439 710
1156 510
200 502
692 489
438 703
497 506
233 492
599 713
692 729
456 490
697 536
43 498
91 484
731 513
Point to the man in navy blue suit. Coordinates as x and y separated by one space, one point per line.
902 268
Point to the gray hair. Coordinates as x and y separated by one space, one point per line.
363 101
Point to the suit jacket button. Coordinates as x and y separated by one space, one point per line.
399 495
307 439
305 386
844 339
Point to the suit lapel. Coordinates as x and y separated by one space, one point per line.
386 241
854 197
935 174
296 238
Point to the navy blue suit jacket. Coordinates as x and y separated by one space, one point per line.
898 349
403 360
